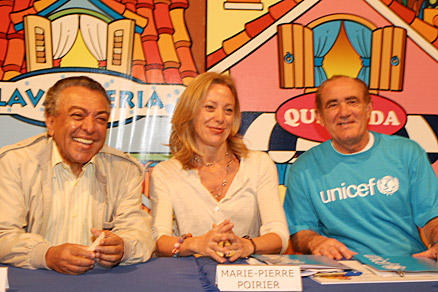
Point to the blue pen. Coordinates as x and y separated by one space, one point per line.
353 273
339 274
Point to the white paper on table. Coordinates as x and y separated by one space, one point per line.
4 279
369 277
93 246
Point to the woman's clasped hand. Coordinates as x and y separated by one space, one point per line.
214 197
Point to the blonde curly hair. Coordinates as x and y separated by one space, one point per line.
183 138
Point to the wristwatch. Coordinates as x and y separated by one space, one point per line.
252 242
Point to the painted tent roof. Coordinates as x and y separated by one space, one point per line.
284 147
163 55
292 9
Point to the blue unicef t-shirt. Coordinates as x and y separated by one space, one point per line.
371 201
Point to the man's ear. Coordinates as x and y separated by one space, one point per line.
369 109
50 120
319 117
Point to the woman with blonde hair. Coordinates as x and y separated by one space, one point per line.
224 198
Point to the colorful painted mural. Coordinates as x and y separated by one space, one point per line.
145 52
281 56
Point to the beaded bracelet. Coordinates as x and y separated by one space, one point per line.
177 245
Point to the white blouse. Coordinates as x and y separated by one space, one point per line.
252 201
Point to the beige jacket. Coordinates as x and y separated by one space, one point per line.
25 202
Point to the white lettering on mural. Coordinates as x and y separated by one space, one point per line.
378 118
386 185
129 99
295 117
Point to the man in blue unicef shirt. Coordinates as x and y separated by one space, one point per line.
360 192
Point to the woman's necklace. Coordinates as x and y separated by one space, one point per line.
217 192
208 164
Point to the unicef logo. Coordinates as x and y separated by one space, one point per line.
388 185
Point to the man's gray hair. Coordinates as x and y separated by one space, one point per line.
54 92
364 87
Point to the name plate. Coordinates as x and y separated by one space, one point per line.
3 279
258 278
